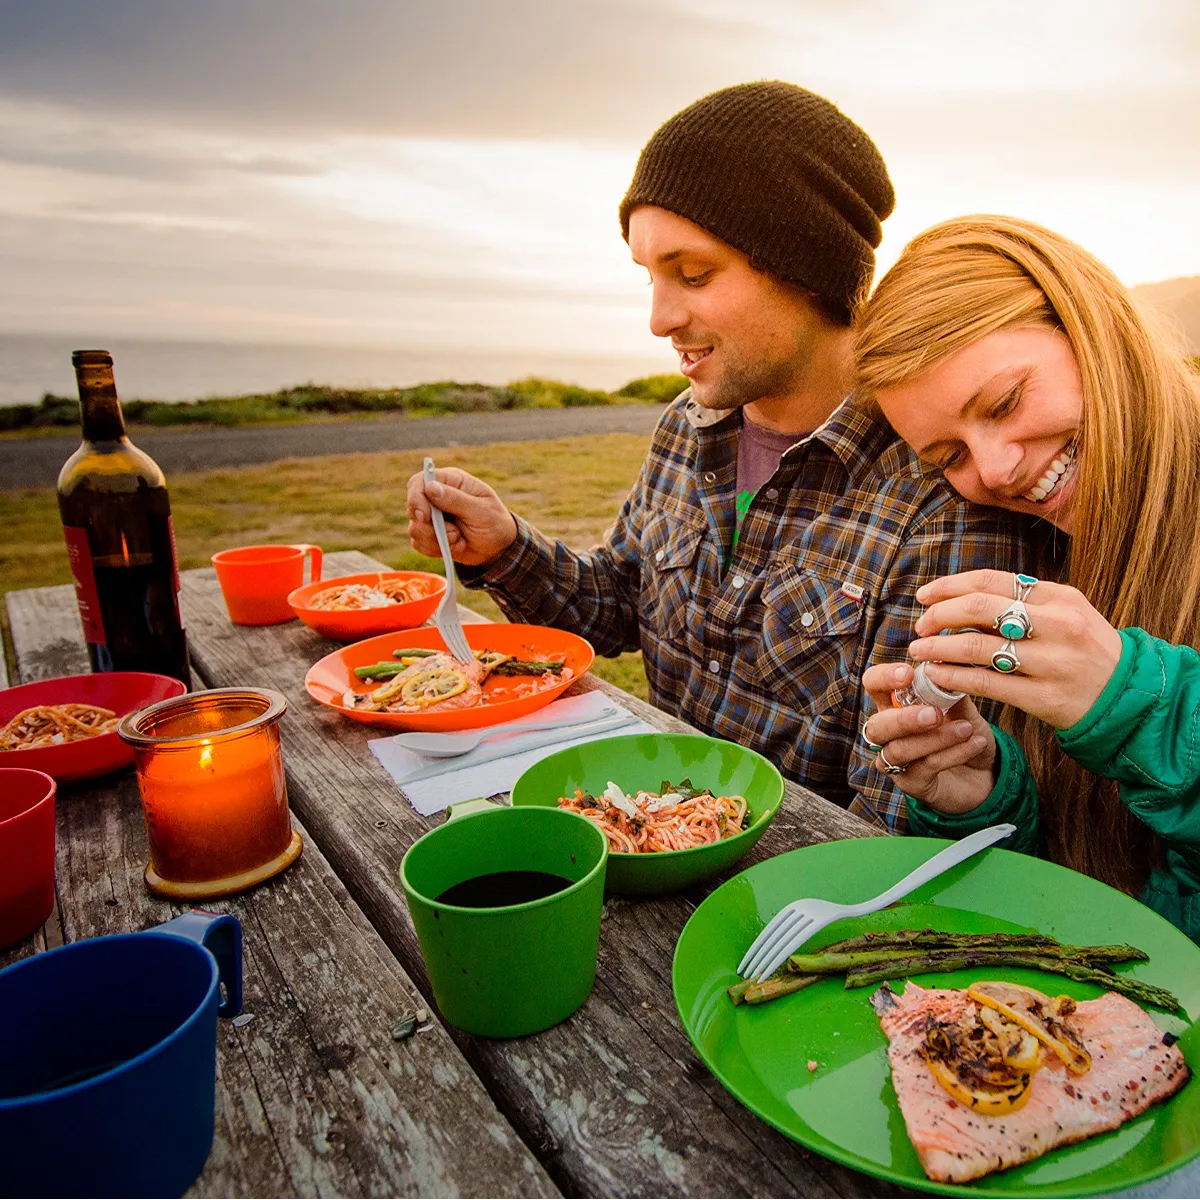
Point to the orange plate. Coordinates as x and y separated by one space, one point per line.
328 680
367 622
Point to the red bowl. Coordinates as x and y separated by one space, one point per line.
361 623
122 691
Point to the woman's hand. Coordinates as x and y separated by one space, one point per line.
948 760
1065 661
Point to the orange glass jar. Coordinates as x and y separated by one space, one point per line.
210 771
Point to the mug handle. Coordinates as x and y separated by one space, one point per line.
221 935
464 808
314 560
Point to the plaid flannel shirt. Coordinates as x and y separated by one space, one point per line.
769 651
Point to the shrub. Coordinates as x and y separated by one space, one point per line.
577 397
550 393
661 389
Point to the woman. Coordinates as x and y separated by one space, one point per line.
1016 364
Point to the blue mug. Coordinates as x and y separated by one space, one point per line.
108 1059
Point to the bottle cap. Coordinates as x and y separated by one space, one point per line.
929 692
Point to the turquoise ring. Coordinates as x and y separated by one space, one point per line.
1014 622
1005 659
1023 585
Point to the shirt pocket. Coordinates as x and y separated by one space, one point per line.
810 638
669 550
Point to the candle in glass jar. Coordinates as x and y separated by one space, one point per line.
216 809
210 770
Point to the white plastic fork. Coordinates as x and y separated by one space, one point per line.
801 920
446 616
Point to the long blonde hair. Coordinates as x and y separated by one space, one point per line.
1135 549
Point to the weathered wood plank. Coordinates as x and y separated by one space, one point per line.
46 633
614 1100
313 1095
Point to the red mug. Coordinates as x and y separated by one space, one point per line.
256 580
26 852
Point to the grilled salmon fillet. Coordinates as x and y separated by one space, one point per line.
1131 1069
474 671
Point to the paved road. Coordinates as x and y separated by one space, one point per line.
35 462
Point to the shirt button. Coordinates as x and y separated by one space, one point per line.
659 555
709 477
772 493
714 666
738 581
806 619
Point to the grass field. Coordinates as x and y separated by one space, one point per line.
571 489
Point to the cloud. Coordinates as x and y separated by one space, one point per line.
607 69
472 68
451 169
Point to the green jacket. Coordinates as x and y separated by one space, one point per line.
1144 732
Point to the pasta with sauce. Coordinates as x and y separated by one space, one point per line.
677 818
55 724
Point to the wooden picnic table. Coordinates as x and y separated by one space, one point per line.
314 1096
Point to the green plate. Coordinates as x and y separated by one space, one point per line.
642 761
846 1108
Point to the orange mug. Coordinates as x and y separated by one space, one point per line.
256 580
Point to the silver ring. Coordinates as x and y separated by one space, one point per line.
1022 586
890 768
1014 623
1006 660
870 745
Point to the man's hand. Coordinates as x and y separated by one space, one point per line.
948 760
478 525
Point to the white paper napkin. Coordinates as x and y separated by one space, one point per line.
467 777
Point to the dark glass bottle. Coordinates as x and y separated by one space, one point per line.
117 522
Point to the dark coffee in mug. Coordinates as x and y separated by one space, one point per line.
499 889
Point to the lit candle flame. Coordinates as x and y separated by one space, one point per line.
206 757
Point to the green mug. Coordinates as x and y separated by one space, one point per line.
510 968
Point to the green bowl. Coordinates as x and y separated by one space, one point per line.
642 761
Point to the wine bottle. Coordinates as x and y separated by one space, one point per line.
117 522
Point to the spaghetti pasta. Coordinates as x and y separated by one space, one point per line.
351 597
677 818
54 724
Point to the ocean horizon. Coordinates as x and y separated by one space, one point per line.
32 364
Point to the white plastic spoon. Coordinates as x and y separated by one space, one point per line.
450 745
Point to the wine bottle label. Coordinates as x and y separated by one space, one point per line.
80 554
175 571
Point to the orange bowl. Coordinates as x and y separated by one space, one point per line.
353 624
122 691
504 699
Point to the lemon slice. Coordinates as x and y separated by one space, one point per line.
433 686
491 659
1019 1049
992 1102
1035 1012
385 693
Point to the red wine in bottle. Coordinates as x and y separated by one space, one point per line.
117 522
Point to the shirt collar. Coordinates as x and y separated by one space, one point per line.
699 417
857 436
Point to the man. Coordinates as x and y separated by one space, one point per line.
771 547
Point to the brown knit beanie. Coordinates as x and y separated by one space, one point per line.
782 176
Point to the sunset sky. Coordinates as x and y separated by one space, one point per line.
447 173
